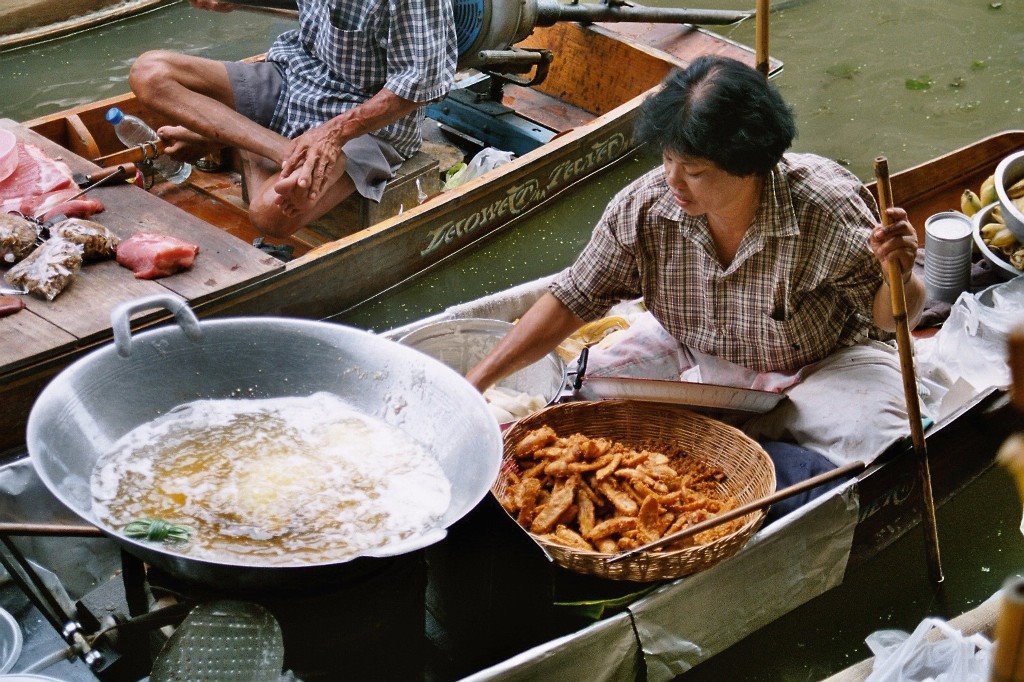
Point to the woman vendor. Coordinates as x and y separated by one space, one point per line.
759 268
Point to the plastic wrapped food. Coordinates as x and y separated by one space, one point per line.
507 404
17 238
97 241
49 269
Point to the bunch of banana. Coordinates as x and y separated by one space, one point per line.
971 203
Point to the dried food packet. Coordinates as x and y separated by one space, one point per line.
17 238
99 242
49 269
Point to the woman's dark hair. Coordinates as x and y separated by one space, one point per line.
721 110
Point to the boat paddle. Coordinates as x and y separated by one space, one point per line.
906 353
763 503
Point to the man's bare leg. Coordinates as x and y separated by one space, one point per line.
195 93
268 214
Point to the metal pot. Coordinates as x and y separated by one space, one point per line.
462 343
110 391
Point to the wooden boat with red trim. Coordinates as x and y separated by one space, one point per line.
584 114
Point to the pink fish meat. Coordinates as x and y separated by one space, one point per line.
40 184
155 255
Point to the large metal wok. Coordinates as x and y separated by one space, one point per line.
110 391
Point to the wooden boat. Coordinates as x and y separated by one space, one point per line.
35 22
490 594
587 105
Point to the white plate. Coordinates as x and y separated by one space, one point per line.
1003 267
684 393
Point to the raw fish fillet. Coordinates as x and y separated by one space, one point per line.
155 255
40 184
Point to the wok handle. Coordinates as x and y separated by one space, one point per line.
121 315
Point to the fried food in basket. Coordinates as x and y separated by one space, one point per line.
598 495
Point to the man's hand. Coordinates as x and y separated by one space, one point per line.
313 156
213 5
897 241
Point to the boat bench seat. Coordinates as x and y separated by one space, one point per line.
416 179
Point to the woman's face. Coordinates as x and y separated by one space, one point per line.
700 187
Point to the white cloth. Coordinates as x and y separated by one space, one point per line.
849 406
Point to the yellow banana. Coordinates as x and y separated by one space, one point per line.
970 203
1019 203
990 230
1003 239
997 215
1016 190
987 193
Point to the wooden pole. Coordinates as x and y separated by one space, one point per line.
1015 346
749 507
1008 656
906 352
763 8
138 154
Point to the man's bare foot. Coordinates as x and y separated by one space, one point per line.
293 195
185 145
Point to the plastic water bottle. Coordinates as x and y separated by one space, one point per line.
133 131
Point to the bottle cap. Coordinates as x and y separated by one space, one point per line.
114 115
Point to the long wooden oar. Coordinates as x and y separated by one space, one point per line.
906 352
762 9
763 503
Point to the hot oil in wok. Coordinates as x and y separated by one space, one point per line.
282 481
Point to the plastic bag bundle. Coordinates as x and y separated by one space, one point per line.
98 243
17 238
486 159
952 657
49 269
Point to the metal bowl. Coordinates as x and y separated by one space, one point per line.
1002 266
1009 171
461 344
110 391
10 641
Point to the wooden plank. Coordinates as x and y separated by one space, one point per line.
224 262
544 109
25 334
80 140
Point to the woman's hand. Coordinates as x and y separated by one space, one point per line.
897 242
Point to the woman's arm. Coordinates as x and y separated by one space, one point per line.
544 326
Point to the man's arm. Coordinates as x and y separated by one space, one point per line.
898 241
542 328
315 152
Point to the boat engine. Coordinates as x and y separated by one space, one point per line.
488 29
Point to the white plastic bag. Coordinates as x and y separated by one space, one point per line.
912 658
972 342
486 159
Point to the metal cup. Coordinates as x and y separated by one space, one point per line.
947 255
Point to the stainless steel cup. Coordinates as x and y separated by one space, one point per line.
947 255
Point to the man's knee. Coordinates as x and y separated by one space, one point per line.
150 71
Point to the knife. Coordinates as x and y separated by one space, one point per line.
119 172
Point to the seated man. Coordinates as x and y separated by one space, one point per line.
335 108
759 269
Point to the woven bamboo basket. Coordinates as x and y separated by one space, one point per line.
750 475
